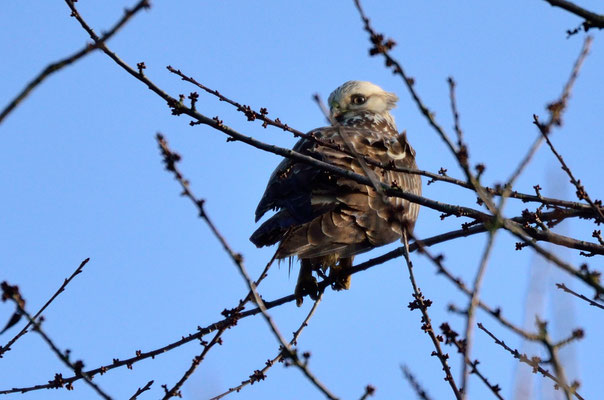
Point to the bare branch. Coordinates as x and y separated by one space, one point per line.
7 347
179 108
381 46
581 192
556 109
369 392
555 117
454 111
417 388
421 303
232 316
451 338
259 375
533 362
175 390
582 297
592 20
9 292
554 358
591 278
142 390
470 314
60 64
495 313
170 160
324 110
262 115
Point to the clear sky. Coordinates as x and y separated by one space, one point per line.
82 177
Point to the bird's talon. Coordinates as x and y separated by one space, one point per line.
307 285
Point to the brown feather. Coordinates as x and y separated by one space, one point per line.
330 218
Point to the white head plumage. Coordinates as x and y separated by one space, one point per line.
354 97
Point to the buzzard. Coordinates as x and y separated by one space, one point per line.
326 219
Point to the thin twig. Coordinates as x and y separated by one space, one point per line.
521 166
381 46
369 392
556 109
262 115
175 390
554 359
582 297
581 192
23 331
260 374
324 110
454 111
170 160
291 354
417 388
590 278
75 367
592 20
422 304
179 108
533 362
451 338
64 62
231 318
470 315
555 116
142 390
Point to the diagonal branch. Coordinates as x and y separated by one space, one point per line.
175 390
460 344
259 375
77 366
262 115
170 159
592 20
566 289
381 46
471 315
64 62
417 388
61 289
140 391
533 362
581 192
421 303
179 108
556 109
231 318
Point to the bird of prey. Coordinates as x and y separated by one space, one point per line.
325 219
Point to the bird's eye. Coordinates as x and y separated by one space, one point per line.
358 99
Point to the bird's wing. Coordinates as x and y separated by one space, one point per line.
319 213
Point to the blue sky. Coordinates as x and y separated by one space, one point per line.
82 177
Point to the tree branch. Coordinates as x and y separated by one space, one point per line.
61 289
533 362
64 62
592 20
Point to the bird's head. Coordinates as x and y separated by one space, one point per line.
355 97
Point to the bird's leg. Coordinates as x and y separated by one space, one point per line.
307 284
342 282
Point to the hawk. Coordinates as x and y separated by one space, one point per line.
324 219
